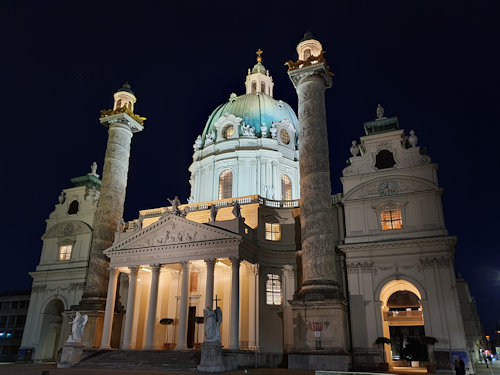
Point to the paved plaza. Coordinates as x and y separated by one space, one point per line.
50 369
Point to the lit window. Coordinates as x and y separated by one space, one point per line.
285 138
391 219
226 184
263 87
273 232
254 87
65 252
227 131
286 188
193 282
307 53
273 289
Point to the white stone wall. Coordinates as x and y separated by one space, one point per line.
56 280
260 164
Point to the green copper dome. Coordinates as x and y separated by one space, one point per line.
254 109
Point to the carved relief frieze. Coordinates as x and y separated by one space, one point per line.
39 288
71 228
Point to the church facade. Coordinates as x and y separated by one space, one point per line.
384 293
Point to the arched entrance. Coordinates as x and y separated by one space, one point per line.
51 331
403 323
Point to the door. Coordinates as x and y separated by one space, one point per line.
191 327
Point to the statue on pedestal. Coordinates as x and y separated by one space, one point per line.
78 324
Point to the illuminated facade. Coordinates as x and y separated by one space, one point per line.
237 243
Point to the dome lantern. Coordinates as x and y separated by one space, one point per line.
258 78
124 97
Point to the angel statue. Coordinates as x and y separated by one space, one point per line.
176 202
78 324
213 320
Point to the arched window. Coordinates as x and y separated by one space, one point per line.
307 53
384 159
73 208
286 188
119 104
226 184
254 87
263 87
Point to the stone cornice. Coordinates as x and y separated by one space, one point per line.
449 241
69 272
320 70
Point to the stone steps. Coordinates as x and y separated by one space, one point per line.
180 360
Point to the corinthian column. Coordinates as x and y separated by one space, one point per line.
121 123
311 77
153 301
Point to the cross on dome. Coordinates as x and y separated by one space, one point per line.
259 53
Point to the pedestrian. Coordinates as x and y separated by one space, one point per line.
459 367
490 359
485 360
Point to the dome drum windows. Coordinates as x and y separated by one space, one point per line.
226 184
286 188
227 131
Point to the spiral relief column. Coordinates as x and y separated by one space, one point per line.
320 298
122 123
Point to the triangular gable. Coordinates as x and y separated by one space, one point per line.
172 230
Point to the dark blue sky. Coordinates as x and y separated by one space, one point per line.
433 64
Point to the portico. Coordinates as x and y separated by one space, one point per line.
175 267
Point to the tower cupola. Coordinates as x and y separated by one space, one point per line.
308 47
124 97
258 78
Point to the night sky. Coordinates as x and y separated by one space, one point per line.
433 64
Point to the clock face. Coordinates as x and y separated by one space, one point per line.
388 188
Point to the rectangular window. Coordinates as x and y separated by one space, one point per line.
3 320
273 232
193 283
15 304
273 289
20 321
65 252
391 219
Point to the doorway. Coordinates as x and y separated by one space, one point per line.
191 327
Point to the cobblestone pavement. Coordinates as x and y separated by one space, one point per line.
38 369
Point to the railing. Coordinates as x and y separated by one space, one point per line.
279 204
403 316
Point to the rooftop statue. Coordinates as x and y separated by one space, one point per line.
175 205
380 112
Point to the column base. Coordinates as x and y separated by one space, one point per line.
319 293
327 349
316 361
211 357
71 354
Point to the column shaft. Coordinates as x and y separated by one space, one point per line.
317 219
129 317
234 337
183 308
153 300
110 308
209 294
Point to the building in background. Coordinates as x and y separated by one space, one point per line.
13 312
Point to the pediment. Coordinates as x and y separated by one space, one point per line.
68 229
173 230
400 185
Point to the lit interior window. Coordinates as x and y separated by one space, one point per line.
391 219
273 289
286 188
227 131
273 232
65 252
226 184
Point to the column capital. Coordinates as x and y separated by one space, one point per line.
134 270
235 260
156 267
185 265
210 262
113 272
319 70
